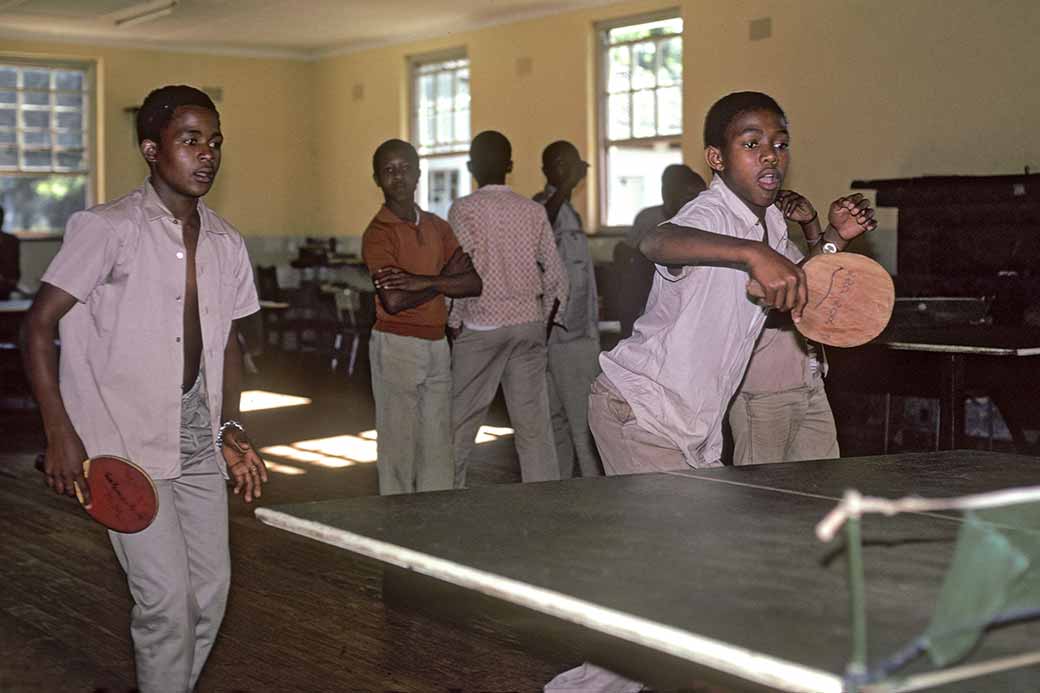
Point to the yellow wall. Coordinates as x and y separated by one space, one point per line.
266 182
873 89
552 101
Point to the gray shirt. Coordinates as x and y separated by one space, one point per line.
580 318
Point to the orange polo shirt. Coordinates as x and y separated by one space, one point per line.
422 248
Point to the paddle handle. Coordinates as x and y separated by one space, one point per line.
75 486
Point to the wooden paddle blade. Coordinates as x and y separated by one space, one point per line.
850 299
123 496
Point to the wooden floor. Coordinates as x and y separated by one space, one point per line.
302 616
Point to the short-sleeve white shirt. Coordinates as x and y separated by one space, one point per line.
688 351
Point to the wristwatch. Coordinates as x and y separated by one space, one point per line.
829 247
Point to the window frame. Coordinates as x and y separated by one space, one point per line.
91 119
603 141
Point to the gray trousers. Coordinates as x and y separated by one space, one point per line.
514 356
572 368
179 568
788 426
411 382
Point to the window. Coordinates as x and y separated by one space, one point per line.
45 144
640 113
440 130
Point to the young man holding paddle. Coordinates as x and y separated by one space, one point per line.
660 401
145 294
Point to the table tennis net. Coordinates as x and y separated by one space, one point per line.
993 579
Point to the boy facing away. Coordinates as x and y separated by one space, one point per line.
147 292
501 334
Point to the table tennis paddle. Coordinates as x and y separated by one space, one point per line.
850 299
122 495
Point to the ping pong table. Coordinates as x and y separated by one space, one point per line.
704 575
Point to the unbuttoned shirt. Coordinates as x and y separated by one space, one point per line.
688 351
418 246
581 319
511 243
122 351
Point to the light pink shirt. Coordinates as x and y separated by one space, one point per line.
689 349
122 355
513 249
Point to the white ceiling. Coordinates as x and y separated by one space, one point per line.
291 28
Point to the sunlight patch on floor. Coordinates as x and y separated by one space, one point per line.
283 468
346 450
337 451
258 400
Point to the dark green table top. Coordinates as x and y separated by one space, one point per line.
718 568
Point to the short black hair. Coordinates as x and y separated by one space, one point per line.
491 146
159 106
680 173
396 146
555 150
729 107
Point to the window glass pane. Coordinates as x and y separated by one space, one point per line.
445 91
36 119
634 178
663 27
645 124
69 139
619 126
36 79
8 76
444 127
71 160
669 70
36 138
35 158
8 96
8 158
69 119
618 60
71 100
72 81
462 126
644 65
41 203
669 111
426 128
8 137
36 98
444 179
7 118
